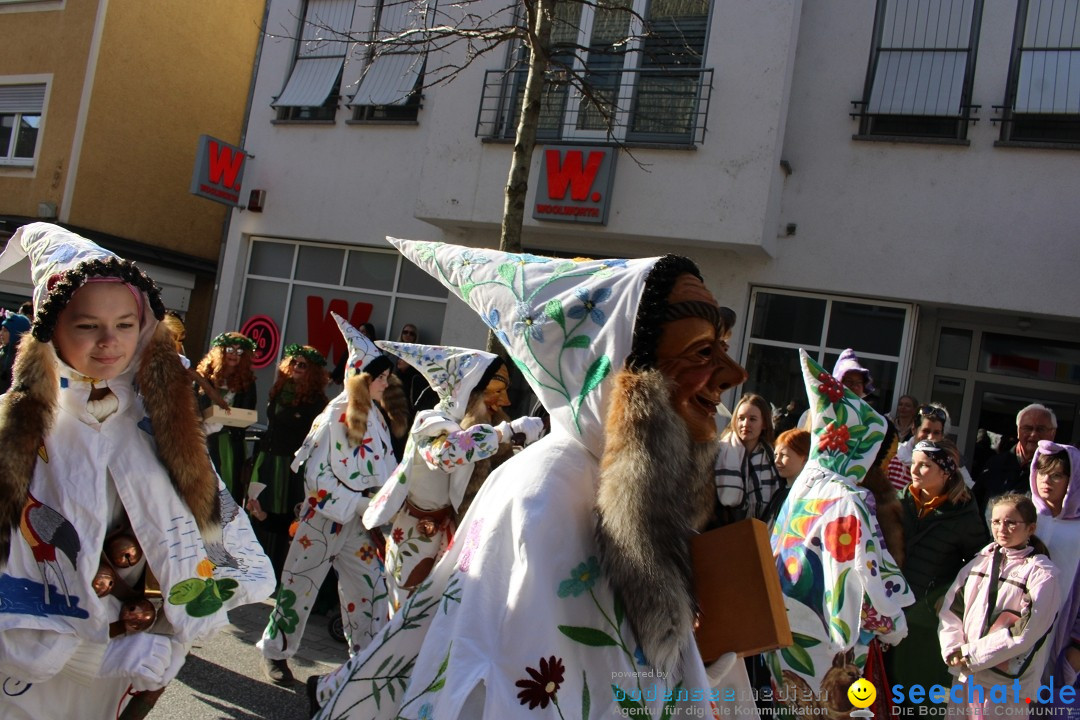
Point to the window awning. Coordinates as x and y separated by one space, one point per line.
323 41
28 99
391 77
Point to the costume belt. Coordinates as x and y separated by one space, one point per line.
430 521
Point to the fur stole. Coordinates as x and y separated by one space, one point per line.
395 409
656 491
28 410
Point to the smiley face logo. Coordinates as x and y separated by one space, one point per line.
862 693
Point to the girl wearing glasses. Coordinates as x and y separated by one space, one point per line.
296 399
227 367
1055 491
943 531
997 615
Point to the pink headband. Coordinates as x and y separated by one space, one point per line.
134 290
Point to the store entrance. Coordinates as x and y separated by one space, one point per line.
995 407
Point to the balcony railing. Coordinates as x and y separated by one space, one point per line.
655 105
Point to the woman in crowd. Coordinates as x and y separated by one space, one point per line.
904 417
746 477
943 531
296 399
11 331
227 368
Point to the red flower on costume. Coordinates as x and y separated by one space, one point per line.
835 437
842 536
544 684
830 387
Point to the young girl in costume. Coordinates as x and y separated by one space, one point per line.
997 615
119 547
227 368
296 399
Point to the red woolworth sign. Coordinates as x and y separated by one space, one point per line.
575 184
219 171
323 332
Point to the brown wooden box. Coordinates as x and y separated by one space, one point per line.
237 417
738 591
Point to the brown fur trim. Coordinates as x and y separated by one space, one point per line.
655 490
358 390
26 415
396 406
181 445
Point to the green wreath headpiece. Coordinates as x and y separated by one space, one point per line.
310 354
228 338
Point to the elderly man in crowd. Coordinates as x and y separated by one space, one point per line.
1010 471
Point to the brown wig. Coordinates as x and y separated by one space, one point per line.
214 368
312 388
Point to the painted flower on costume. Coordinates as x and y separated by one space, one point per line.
582 578
834 439
544 683
589 302
842 536
830 386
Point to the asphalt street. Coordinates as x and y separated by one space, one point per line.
223 678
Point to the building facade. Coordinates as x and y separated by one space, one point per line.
102 103
892 176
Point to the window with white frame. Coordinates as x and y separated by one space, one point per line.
1043 93
922 67
312 90
783 321
627 70
390 87
20 122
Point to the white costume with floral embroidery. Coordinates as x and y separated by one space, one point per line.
56 655
437 465
517 621
841 586
338 476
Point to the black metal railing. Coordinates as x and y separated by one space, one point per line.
655 105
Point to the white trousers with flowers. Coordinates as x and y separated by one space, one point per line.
320 543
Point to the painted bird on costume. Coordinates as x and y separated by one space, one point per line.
46 530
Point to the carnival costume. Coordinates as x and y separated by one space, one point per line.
227 445
841 586
345 457
79 475
519 617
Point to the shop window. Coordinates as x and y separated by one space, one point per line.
1042 103
922 65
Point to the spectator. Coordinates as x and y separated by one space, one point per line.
852 375
11 331
746 476
27 309
933 425
905 417
102 448
1010 471
411 380
943 531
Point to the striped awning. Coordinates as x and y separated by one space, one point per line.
321 53
391 75
29 99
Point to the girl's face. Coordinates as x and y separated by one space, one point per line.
748 424
927 477
98 330
378 385
1052 486
788 462
1009 528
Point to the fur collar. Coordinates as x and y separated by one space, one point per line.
28 410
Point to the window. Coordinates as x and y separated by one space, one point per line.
20 121
781 322
314 84
1042 101
639 84
922 65
389 90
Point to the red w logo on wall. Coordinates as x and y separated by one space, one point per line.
586 173
323 332
219 171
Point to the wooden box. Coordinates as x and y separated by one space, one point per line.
738 590
236 417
